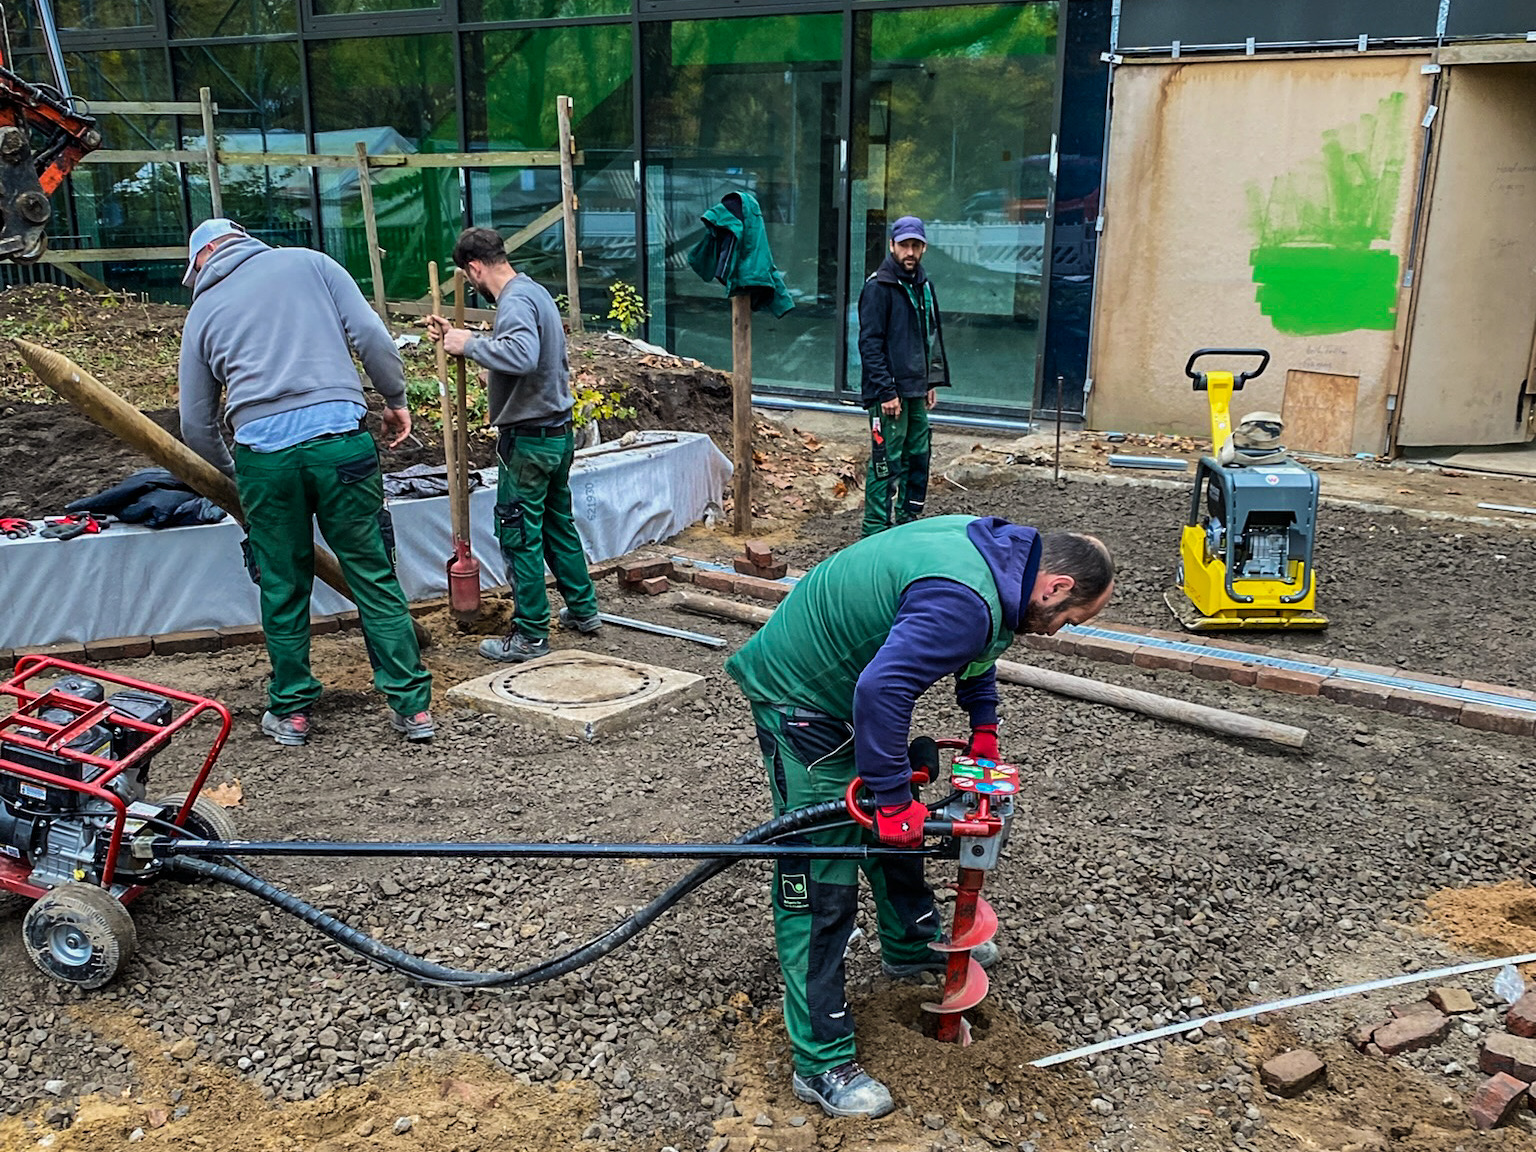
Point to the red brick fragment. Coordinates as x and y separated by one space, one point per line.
638 570
1292 1073
1521 1019
1410 1033
178 643
1496 1100
770 590
1452 1001
119 648
715 581
1505 1053
1285 680
1361 1037
1416 1008
654 586
758 553
762 571
1492 718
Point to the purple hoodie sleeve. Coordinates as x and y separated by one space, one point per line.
940 627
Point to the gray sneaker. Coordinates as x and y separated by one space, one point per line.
846 1091
586 625
291 731
514 648
984 954
417 729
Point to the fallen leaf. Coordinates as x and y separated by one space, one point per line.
226 795
839 489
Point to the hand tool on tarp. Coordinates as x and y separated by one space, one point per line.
68 527
463 568
99 403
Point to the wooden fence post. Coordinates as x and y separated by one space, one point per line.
569 205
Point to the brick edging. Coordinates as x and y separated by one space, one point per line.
1224 660
168 643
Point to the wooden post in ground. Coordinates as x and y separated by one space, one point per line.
568 207
211 146
450 434
461 417
371 225
741 412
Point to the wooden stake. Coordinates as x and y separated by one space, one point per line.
460 414
568 206
450 434
741 411
371 224
210 145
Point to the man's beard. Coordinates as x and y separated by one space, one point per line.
1038 618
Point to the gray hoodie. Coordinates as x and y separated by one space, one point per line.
274 330
530 375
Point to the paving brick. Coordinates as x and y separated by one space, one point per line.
1357 693
1407 702
1292 1073
604 570
761 571
324 625
119 648
1410 1033
69 650
241 635
634 571
1414 1008
1502 689
1452 1001
179 643
1496 1100
653 586
1239 647
770 590
758 553
1160 658
1521 1018
715 581
1431 678
1111 651
1215 667
1515 1055
1284 680
7 659
1361 1037
1040 642
1491 718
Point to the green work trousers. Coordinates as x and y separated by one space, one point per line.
809 758
335 480
896 487
534 527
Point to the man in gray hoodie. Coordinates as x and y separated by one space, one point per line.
272 331
530 403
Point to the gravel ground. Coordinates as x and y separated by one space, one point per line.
1155 872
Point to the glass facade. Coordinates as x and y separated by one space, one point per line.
838 116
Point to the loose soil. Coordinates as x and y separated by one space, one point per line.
1496 920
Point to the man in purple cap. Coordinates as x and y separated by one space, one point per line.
901 349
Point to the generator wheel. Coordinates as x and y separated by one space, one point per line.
79 934
206 821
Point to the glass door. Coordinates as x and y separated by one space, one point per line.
952 121
753 105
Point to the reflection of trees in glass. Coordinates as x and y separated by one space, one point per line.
230 17
403 82
474 11
95 14
512 79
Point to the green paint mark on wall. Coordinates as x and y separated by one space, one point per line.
1321 263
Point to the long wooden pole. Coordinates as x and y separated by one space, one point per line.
104 406
563 107
741 412
450 436
1218 720
211 146
460 419
371 226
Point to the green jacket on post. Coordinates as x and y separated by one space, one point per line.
735 252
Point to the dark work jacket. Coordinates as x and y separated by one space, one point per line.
893 354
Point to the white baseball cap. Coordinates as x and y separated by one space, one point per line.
202 236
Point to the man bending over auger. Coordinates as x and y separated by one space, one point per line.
833 678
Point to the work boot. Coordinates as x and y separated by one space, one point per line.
417 729
586 625
984 954
846 1091
291 731
514 648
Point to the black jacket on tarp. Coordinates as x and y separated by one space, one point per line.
152 497
901 337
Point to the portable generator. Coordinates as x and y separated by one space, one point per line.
1245 553
77 832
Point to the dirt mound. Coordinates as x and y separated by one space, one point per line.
50 455
1494 920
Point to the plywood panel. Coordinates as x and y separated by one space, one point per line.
1320 411
1471 342
1257 202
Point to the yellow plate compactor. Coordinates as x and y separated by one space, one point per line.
1245 555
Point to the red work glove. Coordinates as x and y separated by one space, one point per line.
984 743
901 825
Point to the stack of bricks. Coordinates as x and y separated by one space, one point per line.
1230 660
647 576
1509 1059
756 574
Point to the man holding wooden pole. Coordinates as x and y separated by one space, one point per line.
272 331
833 678
530 403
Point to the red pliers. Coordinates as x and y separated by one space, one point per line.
15 528
68 527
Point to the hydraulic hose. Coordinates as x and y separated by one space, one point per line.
828 813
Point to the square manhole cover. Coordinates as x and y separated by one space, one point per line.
578 692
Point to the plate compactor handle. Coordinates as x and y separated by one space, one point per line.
1238 379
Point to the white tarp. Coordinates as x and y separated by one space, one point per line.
132 581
